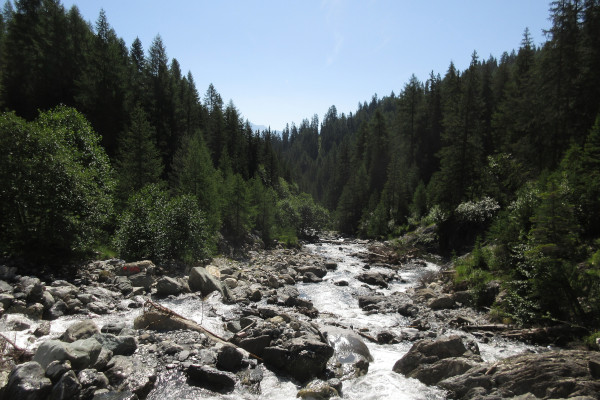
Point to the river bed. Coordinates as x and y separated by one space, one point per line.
338 305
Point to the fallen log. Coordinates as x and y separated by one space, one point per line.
161 318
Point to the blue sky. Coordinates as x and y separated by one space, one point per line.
286 60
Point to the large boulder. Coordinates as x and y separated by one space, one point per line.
348 346
301 358
81 353
431 361
67 387
200 280
210 378
28 382
375 278
129 373
166 286
80 330
119 345
554 374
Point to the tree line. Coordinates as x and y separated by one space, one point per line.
146 167
503 155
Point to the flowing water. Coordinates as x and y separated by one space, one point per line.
337 304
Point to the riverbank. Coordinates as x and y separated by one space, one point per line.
332 318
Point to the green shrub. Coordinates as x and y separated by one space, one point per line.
162 229
590 340
56 185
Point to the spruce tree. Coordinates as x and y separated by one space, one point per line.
138 162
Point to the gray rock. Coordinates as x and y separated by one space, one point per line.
200 280
348 346
64 292
57 368
27 284
91 377
106 395
143 279
36 293
57 310
67 387
80 330
28 382
129 373
43 329
553 374
81 353
301 358
166 286
47 300
318 270
6 300
123 284
318 390
119 345
255 345
170 348
374 278
5 287
211 378
229 358
98 307
103 359
113 327
442 303
310 277
431 361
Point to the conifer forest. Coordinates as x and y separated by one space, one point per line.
112 151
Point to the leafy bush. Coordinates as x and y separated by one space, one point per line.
56 185
478 211
162 229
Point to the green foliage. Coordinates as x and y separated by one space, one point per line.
139 163
162 229
297 213
474 271
57 184
194 174
591 340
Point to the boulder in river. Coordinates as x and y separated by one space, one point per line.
166 286
27 381
431 361
210 378
81 353
200 280
301 358
554 374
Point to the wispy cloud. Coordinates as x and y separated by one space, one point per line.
333 13
338 43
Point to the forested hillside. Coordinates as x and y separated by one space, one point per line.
126 155
112 149
503 156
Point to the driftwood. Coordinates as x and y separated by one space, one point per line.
158 317
542 335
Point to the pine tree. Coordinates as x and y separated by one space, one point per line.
193 173
139 162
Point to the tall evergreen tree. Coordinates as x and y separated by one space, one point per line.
139 162
193 173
